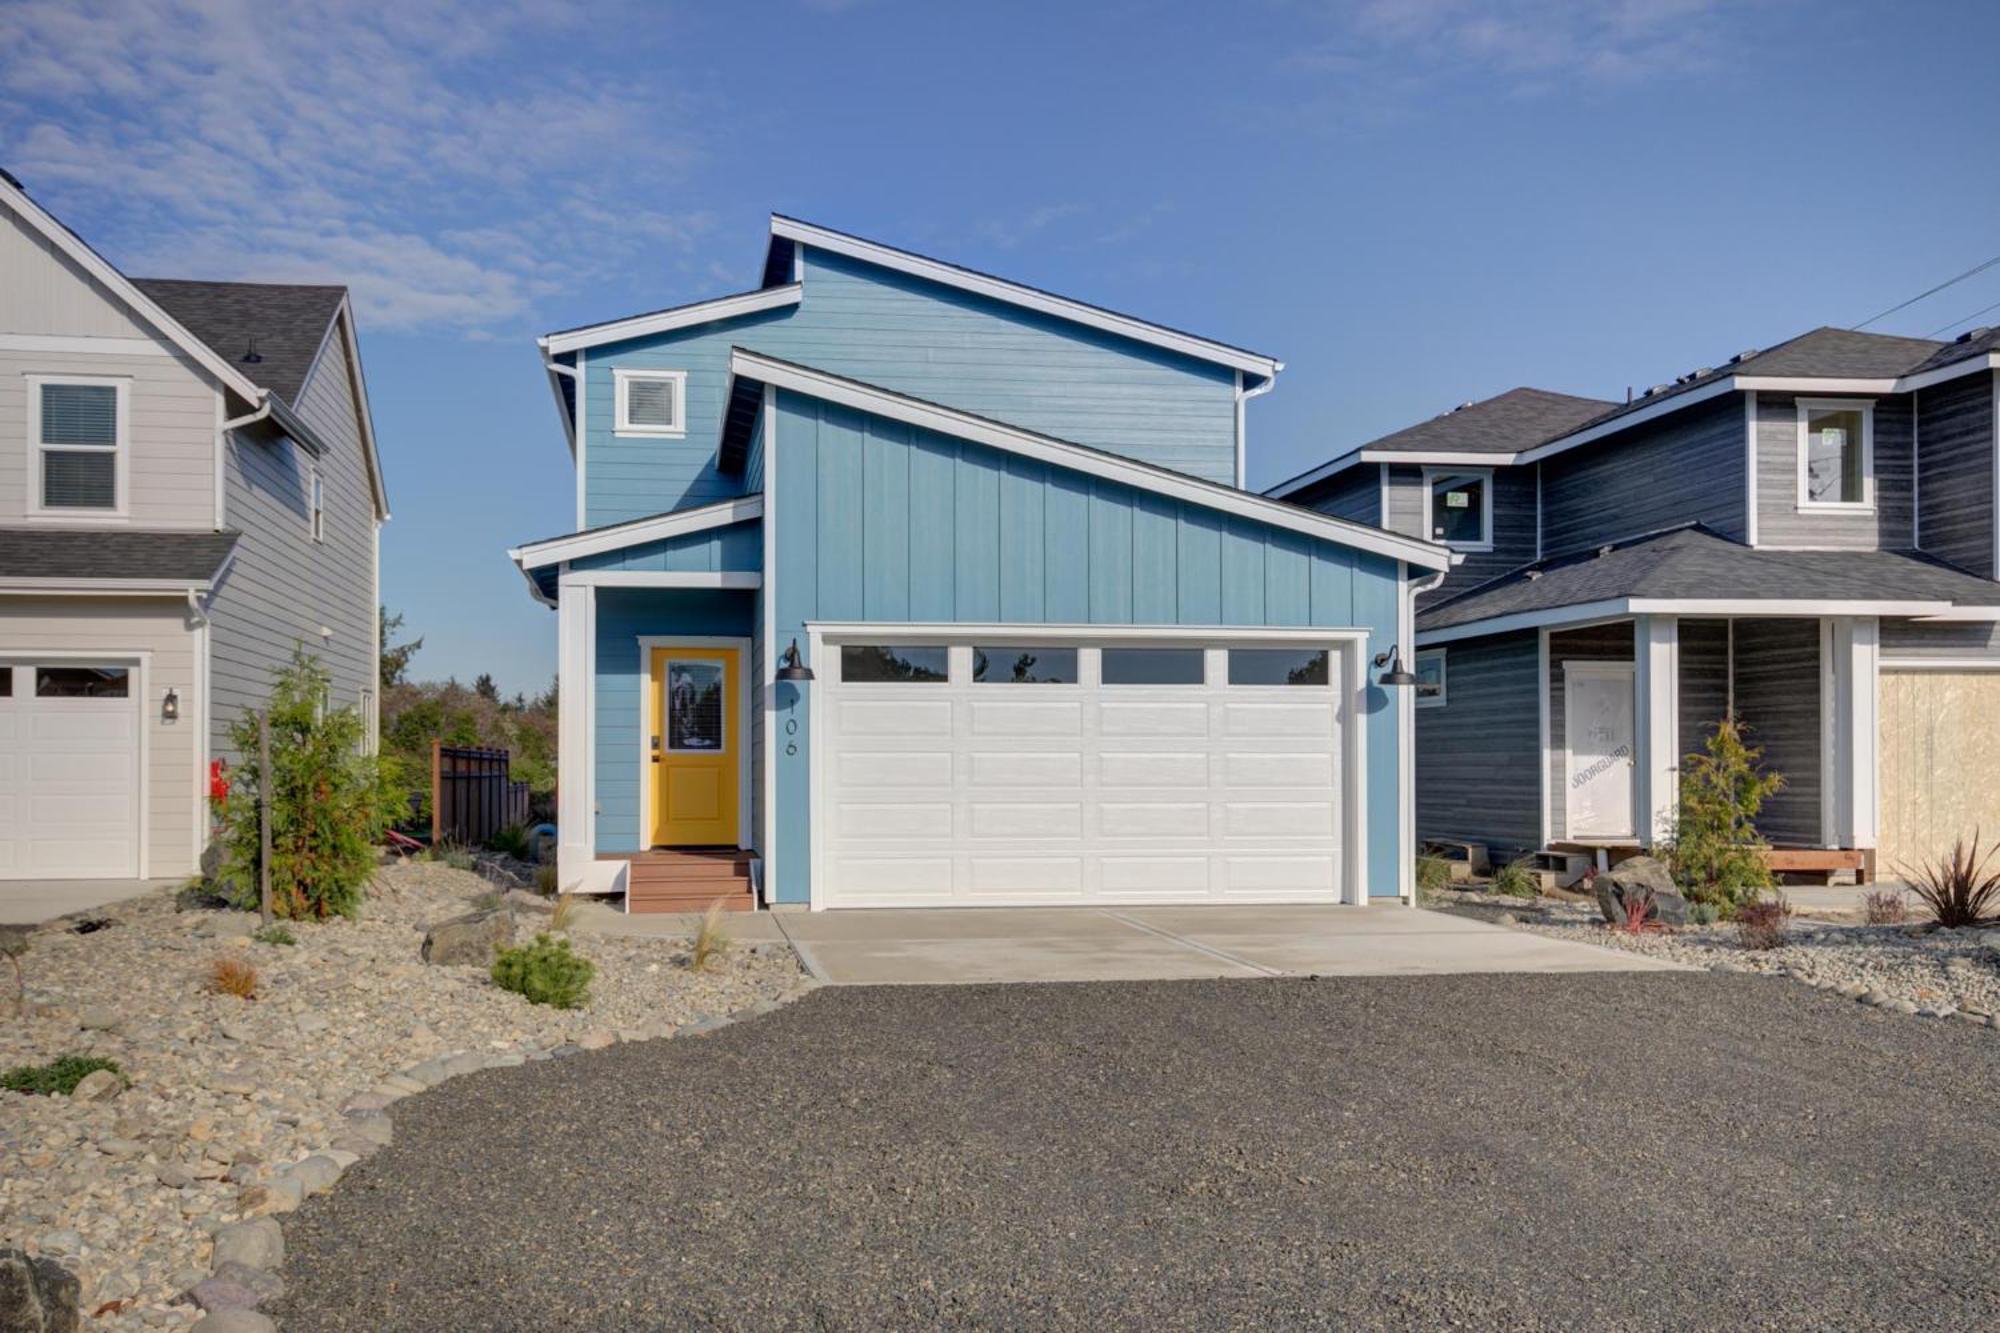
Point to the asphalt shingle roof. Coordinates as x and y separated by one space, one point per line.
1693 562
1502 424
70 553
287 323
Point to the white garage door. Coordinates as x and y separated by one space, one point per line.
1050 772
69 772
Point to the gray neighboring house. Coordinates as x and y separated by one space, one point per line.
1807 536
189 489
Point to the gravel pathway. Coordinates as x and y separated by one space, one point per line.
1604 1152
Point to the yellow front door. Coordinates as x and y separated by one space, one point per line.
693 724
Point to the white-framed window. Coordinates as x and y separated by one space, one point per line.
1836 453
78 445
651 403
1460 508
1430 675
316 502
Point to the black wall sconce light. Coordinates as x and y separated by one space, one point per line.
1395 675
790 667
170 707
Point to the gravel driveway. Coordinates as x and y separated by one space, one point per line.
1612 1151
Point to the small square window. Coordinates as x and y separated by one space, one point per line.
1022 664
1460 508
1277 666
1836 453
1430 678
883 663
1153 666
651 402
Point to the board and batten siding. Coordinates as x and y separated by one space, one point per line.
877 521
1684 468
918 338
1778 700
117 626
623 616
1597 643
283 588
1780 520
1478 753
1955 462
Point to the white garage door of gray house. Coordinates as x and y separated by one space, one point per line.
1019 766
70 755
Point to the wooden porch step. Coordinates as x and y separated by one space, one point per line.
690 879
640 899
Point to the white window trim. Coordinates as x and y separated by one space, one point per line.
1433 475
121 509
315 503
1444 668
622 425
1866 407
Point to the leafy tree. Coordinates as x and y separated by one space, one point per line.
484 687
1716 852
329 801
395 657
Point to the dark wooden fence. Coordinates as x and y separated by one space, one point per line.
472 795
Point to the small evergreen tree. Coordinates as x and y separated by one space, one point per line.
1716 851
329 801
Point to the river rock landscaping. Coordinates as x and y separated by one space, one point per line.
151 1184
1914 969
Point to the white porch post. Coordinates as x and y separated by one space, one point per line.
1656 643
575 842
1851 644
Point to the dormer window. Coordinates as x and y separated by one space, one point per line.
1461 509
77 427
651 403
1836 453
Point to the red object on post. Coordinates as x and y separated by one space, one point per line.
218 779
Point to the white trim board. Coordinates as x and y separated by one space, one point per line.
666 321
999 289
1746 607
662 578
722 514
1061 453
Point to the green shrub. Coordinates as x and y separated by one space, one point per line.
453 854
545 879
514 841
1716 852
545 972
329 801
274 934
58 1078
1516 879
1703 914
1433 874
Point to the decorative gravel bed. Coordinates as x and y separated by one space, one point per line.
227 1097
1913 969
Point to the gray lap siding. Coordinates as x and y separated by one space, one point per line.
1955 472
1477 754
1778 699
1355 494
1780 521
1686 467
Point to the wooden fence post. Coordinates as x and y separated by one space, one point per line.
264 813
437 792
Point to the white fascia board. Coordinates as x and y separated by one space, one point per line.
1747 607
1971 365
680 317
65 240
350 342
999 289
662 578
676 524
104 587
1959 613
1060 453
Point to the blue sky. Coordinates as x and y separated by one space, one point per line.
1412 204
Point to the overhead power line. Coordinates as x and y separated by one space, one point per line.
1972 272
1986 310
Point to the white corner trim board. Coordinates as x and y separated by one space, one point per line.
666 321
980 430
999 289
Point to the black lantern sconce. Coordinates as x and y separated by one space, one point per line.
170 707
791 668
1395 675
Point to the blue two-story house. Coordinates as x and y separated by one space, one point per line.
896 583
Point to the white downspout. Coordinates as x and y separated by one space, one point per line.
1406 731
1243 396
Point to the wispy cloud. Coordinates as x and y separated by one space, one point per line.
425 154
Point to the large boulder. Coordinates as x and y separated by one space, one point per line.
37 1295
470 940
1640 875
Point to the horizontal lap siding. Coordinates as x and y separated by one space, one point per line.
1685 468
1780 521
114 626
1515 524
1778 699
1969 639
623 615
1403 493
1599 643
1704 681
876 520
1955 472
1478 755
1355 495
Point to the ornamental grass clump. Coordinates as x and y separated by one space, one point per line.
711 941
1885 907
545 972
329 801
1716 853
1516 879
1433 874
233 976
1958 889
58 1078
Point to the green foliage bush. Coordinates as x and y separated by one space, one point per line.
57 1078
274 934
514 841
545 972
451 854
1433 874
329 801
1516 880
1716 851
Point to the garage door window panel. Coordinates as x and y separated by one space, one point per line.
6 682
1278 666
1022 664
894 664
82 683
1154 666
